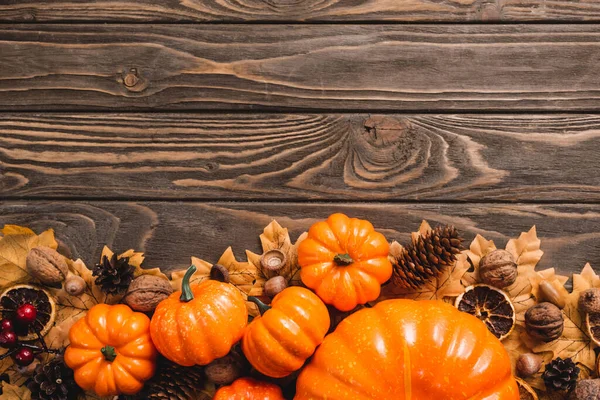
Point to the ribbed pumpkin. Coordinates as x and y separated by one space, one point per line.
200 323
111 352
345 261
249 389
409 350
279 342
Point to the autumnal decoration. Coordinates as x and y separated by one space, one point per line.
146 291
345 261
111 351
174 382
249 389
589 301
426 256
53 381
200 323
553 292
46 265
544 322
32 309
113 274
490 305
75 285
279 342
561 375
586 389
529 364
526 392
426 343
275 285
273 260
225 370
498 268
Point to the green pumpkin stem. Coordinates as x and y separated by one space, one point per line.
262 307
343 259
109 353
186 290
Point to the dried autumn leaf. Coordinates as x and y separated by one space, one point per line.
14 247
424 229
479 247
585 280
136 259
447 284
14 392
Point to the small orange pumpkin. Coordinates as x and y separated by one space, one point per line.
405 349
249 389
279 342
200 323
345 261
111 351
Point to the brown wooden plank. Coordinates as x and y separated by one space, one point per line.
301 157
169 233
332 67
312 10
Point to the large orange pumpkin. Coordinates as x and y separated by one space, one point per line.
111 352
345 261
200 323
409 350
249 389
279 342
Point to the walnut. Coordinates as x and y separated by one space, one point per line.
589 301
146 291
528 364
498 268
544 322
223 371
46 265
586 389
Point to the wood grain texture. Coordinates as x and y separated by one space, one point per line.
169 233
522 158
295 10
280 67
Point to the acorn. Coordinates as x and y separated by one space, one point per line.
589 301
75 285
554 293
528 364
274 286
272 261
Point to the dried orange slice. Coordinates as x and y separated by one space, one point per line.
526 392
592 321
17 295
492 306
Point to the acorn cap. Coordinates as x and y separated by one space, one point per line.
273 260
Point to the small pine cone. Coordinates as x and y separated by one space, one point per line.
53 381
174 382
426 257
560 375
114 274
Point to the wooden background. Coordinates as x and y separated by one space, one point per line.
180 127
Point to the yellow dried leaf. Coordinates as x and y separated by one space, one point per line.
14 247
202 273
585 280
14 392
526 249
479 247
424 229
136 259
447 284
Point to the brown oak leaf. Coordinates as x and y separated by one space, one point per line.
136 259
14 392
585 280
15 244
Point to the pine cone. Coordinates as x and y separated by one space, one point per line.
53 381
174 382
113 275
561 375
426 257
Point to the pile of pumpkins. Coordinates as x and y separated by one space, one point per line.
398 349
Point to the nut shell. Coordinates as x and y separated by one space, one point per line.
275 285
544 322
586 389
46 265
223 371
146 291
75 285
589 301
529 364
498 268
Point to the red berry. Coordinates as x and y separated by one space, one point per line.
26 314
24 357
6 325
8 339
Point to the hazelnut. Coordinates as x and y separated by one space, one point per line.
586 389
275 285
46 265
528 364
146 291
544 322
554 293
498 268
223 371
589 301
75 285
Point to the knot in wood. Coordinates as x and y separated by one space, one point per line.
131 78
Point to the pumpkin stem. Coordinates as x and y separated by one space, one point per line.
109 353
343 259
186 290
262 307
